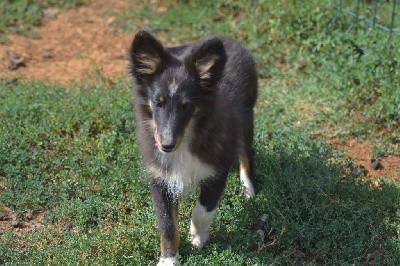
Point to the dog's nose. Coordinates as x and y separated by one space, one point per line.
167 147
167 140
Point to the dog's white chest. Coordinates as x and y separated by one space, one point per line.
185 170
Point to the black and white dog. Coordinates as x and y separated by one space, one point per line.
194 112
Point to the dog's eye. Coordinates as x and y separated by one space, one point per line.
160 101
184 104
159 104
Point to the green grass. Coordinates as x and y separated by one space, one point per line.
23 16
70 154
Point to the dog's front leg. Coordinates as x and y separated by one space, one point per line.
166 207
204 210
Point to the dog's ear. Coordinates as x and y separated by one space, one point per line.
146 56
208 60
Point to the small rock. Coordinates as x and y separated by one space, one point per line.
375 164
259 223
259 229
23 249
11 54
297 254
4 216
15 223
28 215
47 55
361 171
110 20
16 61
370 257
51 12
68 227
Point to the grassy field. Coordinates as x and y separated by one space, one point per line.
69 158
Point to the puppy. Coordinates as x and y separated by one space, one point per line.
194 111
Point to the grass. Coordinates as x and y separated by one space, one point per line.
74 159
69 155
23 16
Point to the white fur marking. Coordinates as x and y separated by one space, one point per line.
170 261
173 87
181 169
200 225
186 170
247 186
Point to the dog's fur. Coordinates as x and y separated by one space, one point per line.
194 112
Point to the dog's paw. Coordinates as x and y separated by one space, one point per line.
199 240
170 261
248 191
247 185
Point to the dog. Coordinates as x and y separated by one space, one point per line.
194 117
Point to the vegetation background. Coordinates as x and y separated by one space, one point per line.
72 186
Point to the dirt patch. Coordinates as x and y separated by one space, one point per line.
20 222
72 45
362 154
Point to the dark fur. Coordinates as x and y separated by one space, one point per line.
217 92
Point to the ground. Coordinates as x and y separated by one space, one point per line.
73 43
362 154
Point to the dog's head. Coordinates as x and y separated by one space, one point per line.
172 84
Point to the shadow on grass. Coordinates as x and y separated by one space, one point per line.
318 214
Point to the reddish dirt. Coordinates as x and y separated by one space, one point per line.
361 152
71 45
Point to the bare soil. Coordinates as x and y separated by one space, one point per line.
71 45
20 223
362 154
